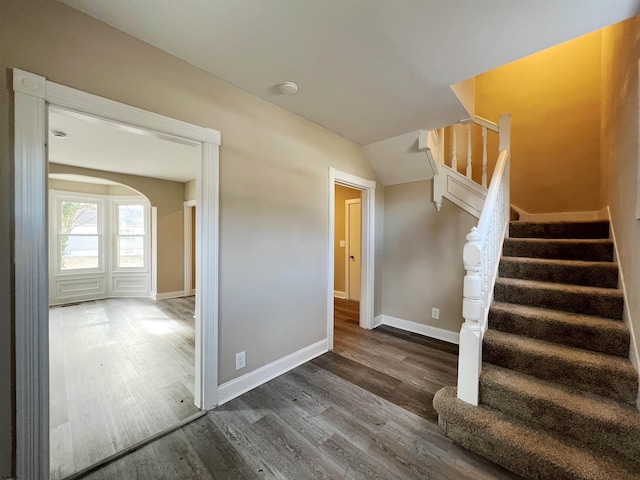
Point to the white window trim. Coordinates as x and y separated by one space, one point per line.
33 95
115 201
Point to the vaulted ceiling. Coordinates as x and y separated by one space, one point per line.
366 69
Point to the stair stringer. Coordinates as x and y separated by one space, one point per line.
459 189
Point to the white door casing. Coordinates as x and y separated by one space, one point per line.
353 238
368 202
32 96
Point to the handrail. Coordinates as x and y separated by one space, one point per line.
481 256
483 122
492 195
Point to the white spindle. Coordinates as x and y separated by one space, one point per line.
469 168
484 157
454 149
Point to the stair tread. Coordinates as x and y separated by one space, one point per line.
588 358
577 319
564 287
581 241
570 399
522 448
561 262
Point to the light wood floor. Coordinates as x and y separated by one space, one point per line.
362 411
120 371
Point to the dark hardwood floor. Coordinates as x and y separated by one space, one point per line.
361 411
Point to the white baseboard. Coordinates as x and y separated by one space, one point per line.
377 321
165 295
562 216
236 387
339 294
421 329
634 355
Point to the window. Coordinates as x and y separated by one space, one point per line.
79 235
130 241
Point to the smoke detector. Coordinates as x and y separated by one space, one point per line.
288 88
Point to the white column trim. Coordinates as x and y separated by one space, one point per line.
368 189
31 278
33 94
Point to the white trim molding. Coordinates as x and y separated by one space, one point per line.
585 216
339 294
634 355
378 320
33 95
368 198
236 387
420 328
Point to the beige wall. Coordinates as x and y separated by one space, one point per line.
423 256
273 182
554 99
342 195
190 190
82 187
167 196
620 155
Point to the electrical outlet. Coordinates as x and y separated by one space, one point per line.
241 360
435 313
342 244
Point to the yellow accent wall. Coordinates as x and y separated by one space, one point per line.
554 99
342 195
620 157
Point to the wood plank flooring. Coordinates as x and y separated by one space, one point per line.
120 371
362 411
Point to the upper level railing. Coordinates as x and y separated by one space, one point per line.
481 256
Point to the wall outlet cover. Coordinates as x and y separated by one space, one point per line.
435 313
241 360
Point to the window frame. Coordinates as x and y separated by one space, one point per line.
116 201
99 200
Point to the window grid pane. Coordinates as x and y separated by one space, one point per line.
79 252
130 251
79 218
131 220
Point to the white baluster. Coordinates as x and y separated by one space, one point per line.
469 171
484 157
454 149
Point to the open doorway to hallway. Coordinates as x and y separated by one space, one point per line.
121 329
347 259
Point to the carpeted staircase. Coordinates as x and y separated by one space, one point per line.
557 391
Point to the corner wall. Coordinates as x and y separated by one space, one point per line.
423 256
554 99
620 154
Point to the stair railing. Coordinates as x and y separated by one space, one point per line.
458 186
481 256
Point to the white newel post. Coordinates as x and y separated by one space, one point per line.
454 149
504 126
484 157
470 357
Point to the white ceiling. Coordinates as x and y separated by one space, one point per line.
368 70
101 145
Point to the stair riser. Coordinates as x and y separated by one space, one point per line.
610 342
559 230
601 305
584 377
612 438
605 276
595 252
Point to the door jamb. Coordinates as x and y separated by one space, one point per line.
368 202
188 251
32 95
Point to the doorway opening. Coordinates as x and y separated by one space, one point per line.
34 97
351 251
121 357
